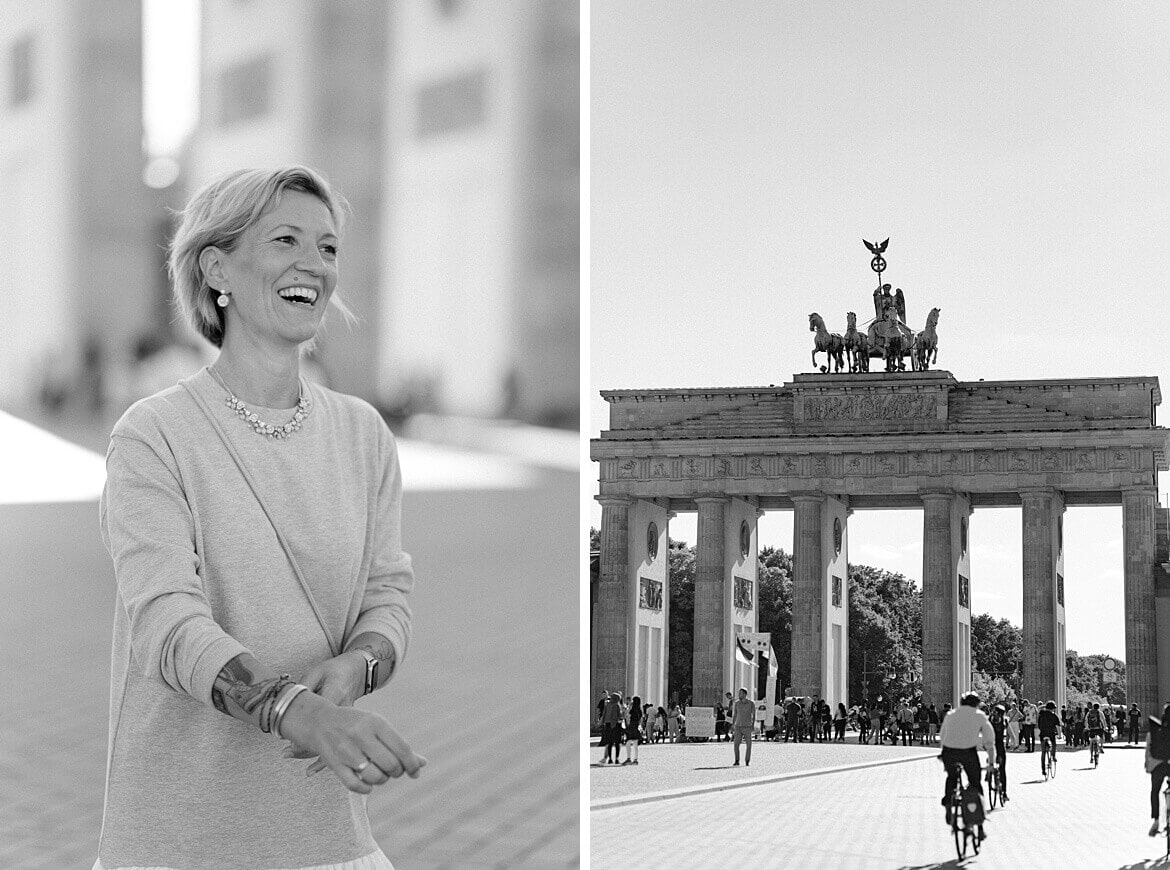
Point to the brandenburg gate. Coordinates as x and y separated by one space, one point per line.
831 442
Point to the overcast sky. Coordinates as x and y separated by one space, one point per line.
1014 154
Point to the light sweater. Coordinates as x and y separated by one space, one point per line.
966 728
201 577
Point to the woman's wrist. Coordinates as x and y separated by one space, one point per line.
300 717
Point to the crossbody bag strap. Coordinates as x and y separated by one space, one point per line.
215 424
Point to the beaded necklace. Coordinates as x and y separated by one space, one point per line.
259 426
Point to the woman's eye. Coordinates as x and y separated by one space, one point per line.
287 239
331 250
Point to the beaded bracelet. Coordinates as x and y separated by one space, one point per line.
282 707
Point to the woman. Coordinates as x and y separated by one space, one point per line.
660 725
254 523
672 717
1157 765
839 722
1013 726
633 730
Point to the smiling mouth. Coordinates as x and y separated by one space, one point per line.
306 297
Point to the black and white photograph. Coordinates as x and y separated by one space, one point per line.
290 418
877 328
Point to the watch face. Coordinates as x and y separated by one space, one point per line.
652 541
745 538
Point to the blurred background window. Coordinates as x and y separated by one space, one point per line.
20 66
244 91
456 103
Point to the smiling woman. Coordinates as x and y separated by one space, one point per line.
254 523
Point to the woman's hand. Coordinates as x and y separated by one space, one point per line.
340 680
361 748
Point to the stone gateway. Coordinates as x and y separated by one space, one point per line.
826 444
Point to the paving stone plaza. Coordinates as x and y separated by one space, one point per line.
861 808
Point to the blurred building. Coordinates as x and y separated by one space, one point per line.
76 254
480 216
452 128
304 81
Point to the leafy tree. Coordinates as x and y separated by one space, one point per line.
594 539
885 634
682 619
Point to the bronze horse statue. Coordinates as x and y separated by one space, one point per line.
926 343
829 342
856 345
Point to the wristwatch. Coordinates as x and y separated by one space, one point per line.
371 670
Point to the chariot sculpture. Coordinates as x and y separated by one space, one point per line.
886 336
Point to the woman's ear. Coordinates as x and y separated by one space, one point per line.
211 262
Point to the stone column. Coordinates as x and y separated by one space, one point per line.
1141 645
707 668
807 601
938 600
1039 635
613 599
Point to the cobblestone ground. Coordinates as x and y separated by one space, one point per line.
664 766
889 817
488 692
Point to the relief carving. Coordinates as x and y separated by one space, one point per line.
820 466
951 462
757 466
1050 462
659 469
1019 461
692 467
725 467
919 462
903 406
1084 461
1120 459
789 465
854 465
985 462
887 464
627 468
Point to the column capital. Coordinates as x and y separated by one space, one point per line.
614 500
937 494
1140 491
807 496
711 498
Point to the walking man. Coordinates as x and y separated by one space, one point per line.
1029 725
1135 716
743 718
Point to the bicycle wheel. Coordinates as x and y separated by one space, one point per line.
975 841
1044 766
959 832
1052 763
992 787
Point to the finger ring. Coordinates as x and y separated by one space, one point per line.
358 770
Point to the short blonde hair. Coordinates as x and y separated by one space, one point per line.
216 216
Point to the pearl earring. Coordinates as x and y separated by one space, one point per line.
224 300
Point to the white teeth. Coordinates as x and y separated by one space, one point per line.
299 294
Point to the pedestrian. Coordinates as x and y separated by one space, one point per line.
672 722
1028 726
611 723
633 730
1013 726
601 705
214 612
826 721
1135 716
647 723
1119 720
875 723
839 722
905 717
1079 726
922 720
862 724
743 717
932 724
660 724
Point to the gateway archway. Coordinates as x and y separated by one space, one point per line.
826 444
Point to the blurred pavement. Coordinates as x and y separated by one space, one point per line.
488 692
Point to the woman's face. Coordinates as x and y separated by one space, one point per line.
282 272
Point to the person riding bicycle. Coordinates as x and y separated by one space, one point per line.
1095 726
999 725
1048 724
963 731
1157 762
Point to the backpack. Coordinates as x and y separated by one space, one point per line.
1159 740
972 806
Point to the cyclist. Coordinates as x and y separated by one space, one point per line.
963 731
1048 723
999 725
1157 762
1095 726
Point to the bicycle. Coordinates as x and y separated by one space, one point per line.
992 786
962 832
1047 759
1095 749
